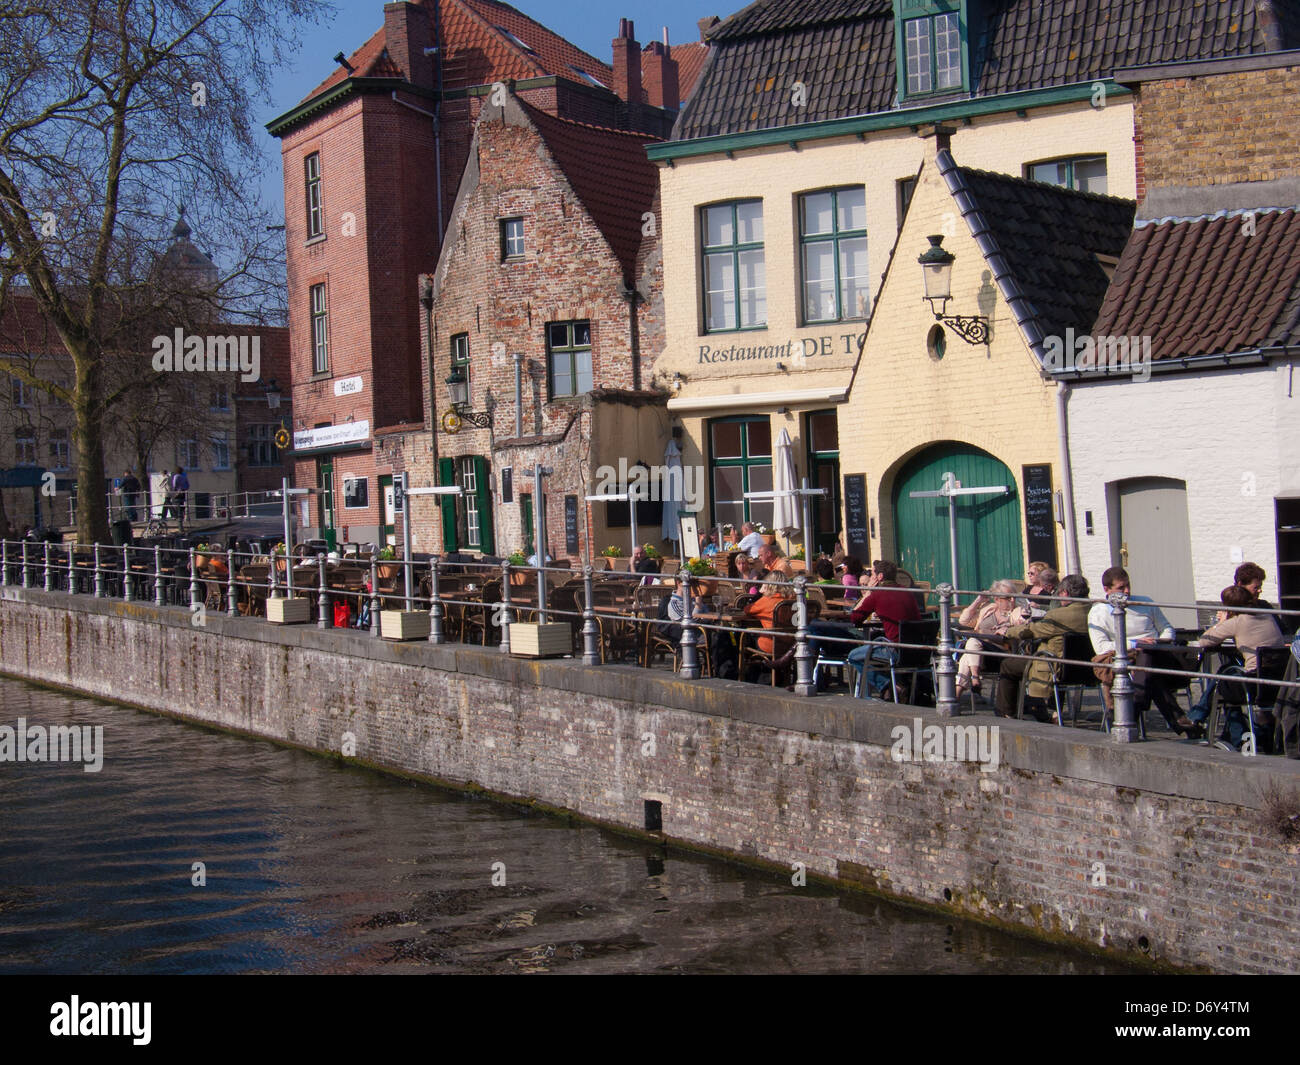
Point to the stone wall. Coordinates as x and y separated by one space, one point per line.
1191 878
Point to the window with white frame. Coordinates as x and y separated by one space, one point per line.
833 239
469 485
60 452
315 208
512 238
221 452
735 273
187 454
933 46
356 492
23 394
25 446
320 342
1083 173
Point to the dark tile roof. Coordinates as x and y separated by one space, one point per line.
609 172
843 51
1203 287
1049 239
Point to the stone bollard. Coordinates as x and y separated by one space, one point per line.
506 613
323 621
803 656
590 630
436 634
1125 729
945 669
690 652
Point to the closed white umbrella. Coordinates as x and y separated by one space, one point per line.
671 493
785 502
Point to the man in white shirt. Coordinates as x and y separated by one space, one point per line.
751 541
1144 623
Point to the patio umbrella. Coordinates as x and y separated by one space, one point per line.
785 504
671 493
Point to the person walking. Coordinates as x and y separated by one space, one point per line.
180 487
130 492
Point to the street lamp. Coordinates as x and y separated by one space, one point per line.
273 393
936 268
458 389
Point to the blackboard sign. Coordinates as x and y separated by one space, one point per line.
857 539
507 485
1040 521
571 525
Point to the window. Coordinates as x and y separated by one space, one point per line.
467 518
469 484
1084 173
460 355
23 394
315 209
202 505
59 454
512 238
356 492
740 456
320 340
261 446
220 452
735 279
906 186
187 454
221 397
25 445
933 48
833 235
568 351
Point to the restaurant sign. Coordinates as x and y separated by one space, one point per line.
797 351
331 436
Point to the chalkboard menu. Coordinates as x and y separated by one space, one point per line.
507 485
571 525
857 538
1040 520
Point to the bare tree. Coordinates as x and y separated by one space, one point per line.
112 114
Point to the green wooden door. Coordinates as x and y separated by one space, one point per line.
989 544
325 497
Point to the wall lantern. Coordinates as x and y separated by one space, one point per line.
936 267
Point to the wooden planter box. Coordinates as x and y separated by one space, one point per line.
535 640
288 611
404 624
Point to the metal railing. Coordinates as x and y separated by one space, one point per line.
221 506
233 583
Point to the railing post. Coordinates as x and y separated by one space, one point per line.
541 588
127 593
194 581
49 584
803 656
275 584
507 615
26 580
374 594
945 670
4 562
99 573
435 604
324 621
690 654
1125 729
590 630
230 582
157 575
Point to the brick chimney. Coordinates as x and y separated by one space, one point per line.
662 87
407 32
627 63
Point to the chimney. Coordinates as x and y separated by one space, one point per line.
627 63
406 30
707 23
662 87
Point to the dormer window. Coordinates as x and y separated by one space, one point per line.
931 40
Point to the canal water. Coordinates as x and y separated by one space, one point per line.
313 867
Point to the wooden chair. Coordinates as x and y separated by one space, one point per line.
782 635
478 618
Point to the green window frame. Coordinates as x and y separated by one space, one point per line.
734 270
460 356
833 255
1083 173
568 358
740 461
931 41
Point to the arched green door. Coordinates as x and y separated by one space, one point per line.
988 526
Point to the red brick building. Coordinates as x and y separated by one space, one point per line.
548 299
372 160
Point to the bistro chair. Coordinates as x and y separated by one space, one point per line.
1239 688
1067 677
913 661
478 619
781 634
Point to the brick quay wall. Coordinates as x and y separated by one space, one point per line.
1155 851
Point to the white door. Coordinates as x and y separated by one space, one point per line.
1152 539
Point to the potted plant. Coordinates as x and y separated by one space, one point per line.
702 576
391 569
200 555
278 552
651 551
517 577
769 537
613 551
799 556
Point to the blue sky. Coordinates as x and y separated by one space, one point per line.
590 24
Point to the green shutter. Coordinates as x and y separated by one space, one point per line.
447 476
484 494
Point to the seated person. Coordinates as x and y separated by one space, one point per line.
824 571
773 561
1040 586
1251 577
1144 624
891 605
991 614
852 577
764 608
1050 630
750 540
643 563
1249 632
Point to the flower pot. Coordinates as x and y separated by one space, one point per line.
703 587
520 577
388 570
769 538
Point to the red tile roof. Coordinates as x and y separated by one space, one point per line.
1205 286
610 173
473 33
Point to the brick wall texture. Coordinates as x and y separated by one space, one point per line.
1191 879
